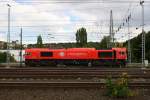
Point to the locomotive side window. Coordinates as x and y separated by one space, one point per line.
105 54
46 54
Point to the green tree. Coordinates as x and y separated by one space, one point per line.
39 42
5 45
104 42
136 47
81 37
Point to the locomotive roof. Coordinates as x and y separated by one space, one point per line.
43 49
119 49
122 49
61 49
81 49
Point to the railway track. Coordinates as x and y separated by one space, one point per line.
14 77
132 65
74 72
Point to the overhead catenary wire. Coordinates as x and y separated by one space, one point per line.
58 1
79 1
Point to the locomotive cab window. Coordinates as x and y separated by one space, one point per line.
122 53
105 54
46 54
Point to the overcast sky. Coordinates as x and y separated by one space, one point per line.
57 20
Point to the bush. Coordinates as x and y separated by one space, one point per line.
3 57
118 88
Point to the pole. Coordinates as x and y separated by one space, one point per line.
109 40
21 47
129 46
111 34
143 34
112 30
8 38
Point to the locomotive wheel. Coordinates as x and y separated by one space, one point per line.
90 64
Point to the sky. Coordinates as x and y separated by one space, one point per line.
58 20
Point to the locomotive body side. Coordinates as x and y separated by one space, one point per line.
42 56
111 57
103 58
79 56
81 53
121 56
75 56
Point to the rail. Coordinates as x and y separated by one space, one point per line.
75 72
68 84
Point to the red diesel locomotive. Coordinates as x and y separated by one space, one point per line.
75 56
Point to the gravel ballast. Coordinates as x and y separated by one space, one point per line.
65 94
